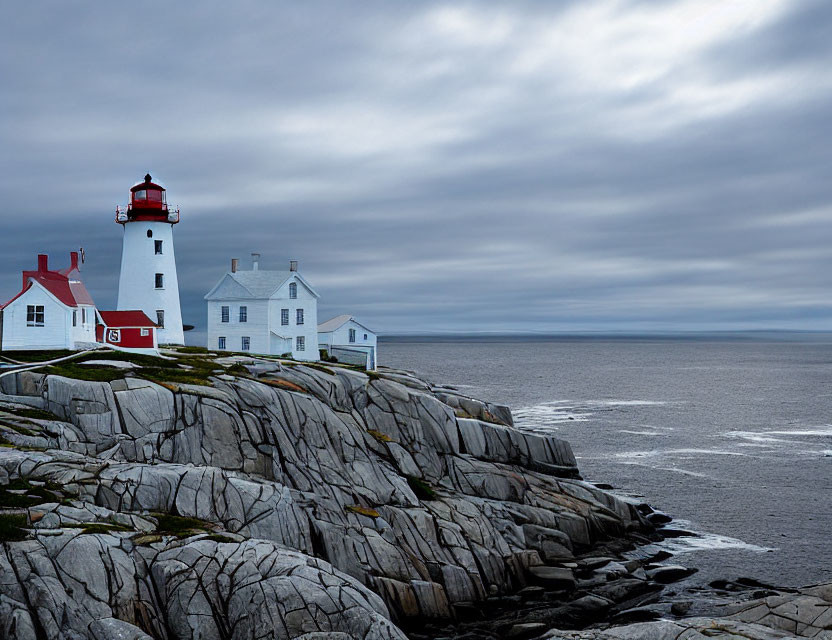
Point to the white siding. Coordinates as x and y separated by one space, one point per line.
83 332
56 332
139 266
309 329
256 327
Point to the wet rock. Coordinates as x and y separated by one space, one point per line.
669 573
553 577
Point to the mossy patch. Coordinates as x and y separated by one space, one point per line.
31 413
284 384
363 511
218 537
179 526
372 375
78 371
319 367
18 429
378 435
12 527
36 356
32 495
98 527
421 488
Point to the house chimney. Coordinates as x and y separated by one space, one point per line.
293 265
43 262
73 260
255 261
234 263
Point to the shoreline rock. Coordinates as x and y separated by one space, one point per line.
282 499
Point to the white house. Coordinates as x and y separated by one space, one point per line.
349 341
268 312
53 310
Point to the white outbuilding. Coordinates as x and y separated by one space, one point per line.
266 312
347 339
53 310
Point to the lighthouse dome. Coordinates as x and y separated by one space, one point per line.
149 203
148 195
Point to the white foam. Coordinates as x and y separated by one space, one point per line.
821 431
658 453
705 542
642 433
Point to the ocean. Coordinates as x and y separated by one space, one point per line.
731 435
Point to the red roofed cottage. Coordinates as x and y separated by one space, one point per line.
52 311
127 330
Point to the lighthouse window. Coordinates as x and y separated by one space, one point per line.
160 318
225 313
154 196
246 343
34 315
243 314
299 316
158 244
293 290
221 342
149 233
160 280
140 195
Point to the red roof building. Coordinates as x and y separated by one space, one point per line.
53 310
126 330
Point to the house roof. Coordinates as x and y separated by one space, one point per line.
262 283
126 319
65 284
337 322
334 323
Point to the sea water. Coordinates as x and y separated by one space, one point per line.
729 434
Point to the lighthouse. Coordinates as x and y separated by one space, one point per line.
148 279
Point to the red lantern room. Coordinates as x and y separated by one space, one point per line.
148 202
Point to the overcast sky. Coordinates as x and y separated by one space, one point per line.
541 166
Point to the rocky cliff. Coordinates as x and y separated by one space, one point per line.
250 498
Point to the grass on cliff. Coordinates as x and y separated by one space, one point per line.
421 488
98 527
35 356
12 527
179 526
32 494
30 412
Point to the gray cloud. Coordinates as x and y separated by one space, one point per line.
440 166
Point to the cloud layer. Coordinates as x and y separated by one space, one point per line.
440 166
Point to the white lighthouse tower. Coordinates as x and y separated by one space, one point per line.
148 279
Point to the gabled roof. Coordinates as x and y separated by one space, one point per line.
65 285
125 319
260 284
337 322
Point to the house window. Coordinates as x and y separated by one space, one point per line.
74 318
114 336
160 281
158 245
365 336
160 318
149 233
246 343
226 313
293 290
221 342
83 316
284 317
300 343
299 316
34 315
145 333
243 314
352 335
